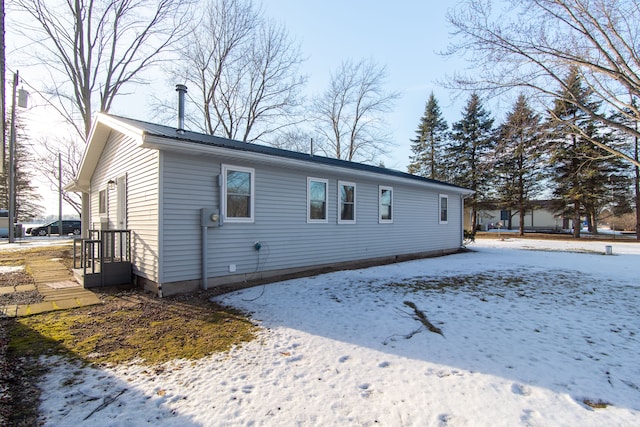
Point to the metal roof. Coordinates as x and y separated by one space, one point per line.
154 129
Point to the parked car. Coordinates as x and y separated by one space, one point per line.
68 227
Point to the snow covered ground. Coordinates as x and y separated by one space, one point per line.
534 333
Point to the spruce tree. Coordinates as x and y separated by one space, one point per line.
428 144
627 199
518 164
469 153
28 201
581 171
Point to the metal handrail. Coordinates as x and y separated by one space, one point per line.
90 252
109 246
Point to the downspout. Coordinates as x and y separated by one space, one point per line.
204 263
462 197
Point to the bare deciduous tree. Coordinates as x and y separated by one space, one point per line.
245 69
90 50
533 43
71 150
349 114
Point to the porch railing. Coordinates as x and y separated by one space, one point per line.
104 257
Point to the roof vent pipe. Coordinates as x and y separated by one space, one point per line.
182 90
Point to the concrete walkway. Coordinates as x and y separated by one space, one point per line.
54 282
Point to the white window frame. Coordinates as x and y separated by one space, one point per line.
380 219
223 193
326 200
440 198
340 202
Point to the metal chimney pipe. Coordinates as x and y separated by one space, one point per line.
182 90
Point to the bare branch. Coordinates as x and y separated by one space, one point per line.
533 43
349 114
91 46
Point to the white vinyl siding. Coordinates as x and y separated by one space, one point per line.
385 204
238 194
317 200
167 187
281 226
346 202
121 156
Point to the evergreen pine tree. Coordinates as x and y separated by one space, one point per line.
581 171
626 193
469 153
28 201
427 146
518 164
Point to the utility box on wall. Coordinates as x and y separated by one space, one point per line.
210 217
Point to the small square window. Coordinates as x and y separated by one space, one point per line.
317 200
444 209
385 208
346 202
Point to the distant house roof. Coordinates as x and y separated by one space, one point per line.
146 131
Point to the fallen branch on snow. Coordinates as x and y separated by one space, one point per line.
107 401
422 318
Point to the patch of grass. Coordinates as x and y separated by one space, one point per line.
152 331
596 404
129 325
499 284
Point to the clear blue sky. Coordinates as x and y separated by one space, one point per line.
403 35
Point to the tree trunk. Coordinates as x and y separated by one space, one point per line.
576 220
521 222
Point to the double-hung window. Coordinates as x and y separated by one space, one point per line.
317 199
346 202
444 209
385 206
238 193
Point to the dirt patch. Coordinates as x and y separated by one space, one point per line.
13 280
132 325
128 326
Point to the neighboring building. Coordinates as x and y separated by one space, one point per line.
543 217
280 211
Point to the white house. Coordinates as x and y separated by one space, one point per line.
543 215
206 211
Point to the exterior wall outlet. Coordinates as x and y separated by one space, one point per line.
232 268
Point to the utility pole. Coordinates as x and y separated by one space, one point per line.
59 194
12 169
22 99
2 87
